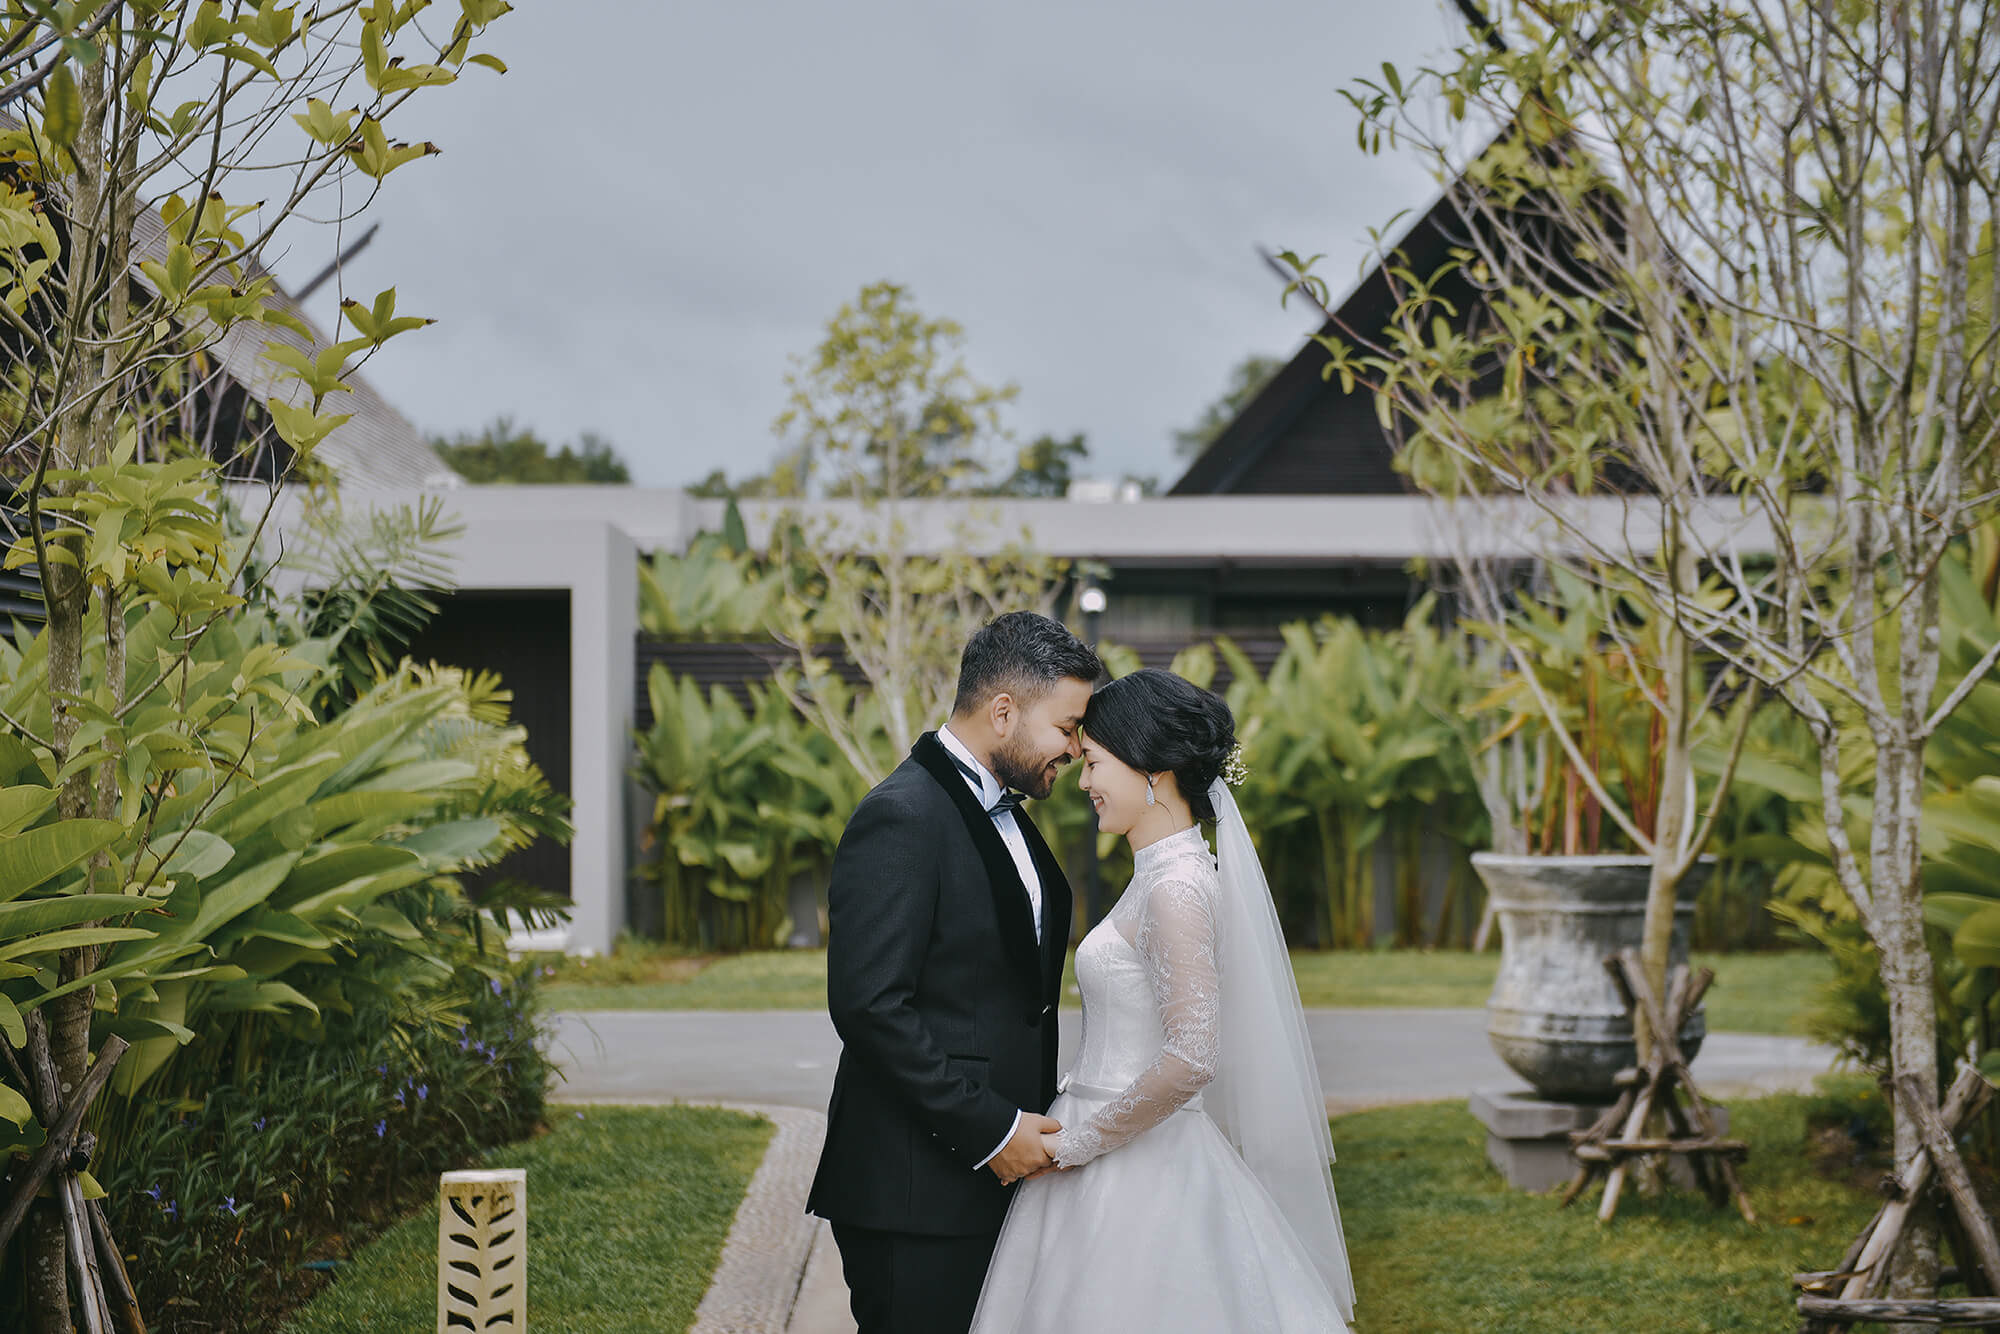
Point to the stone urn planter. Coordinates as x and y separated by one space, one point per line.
1554 1015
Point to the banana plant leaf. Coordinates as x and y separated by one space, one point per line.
26 917
1977 939
39 855
22 806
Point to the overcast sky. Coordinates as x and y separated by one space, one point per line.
660 203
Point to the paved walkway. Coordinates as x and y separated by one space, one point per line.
758 1279
1366 1057
780 1272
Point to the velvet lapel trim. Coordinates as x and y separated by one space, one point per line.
1010 896
1056 906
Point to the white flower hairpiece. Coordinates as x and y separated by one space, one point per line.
1234 771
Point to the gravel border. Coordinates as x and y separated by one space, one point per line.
763 1264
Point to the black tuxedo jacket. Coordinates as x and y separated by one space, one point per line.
945 1003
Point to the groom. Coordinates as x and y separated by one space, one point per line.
948 923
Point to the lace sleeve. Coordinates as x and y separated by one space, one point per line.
1176 937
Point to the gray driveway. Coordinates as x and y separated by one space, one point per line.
1365 1057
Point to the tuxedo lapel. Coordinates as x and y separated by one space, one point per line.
1056 910
1010 896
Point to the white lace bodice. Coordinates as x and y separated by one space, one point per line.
1151 1007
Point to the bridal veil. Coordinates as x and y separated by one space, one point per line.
1266 1096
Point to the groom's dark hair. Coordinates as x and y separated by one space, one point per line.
1022 653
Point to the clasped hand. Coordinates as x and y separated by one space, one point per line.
1029 1153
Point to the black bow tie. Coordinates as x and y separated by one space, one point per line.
1008 800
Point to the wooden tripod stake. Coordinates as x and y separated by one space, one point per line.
1619 1136
102 1290
1852 1293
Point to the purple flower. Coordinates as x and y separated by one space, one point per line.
496 986
258 1124
154 1191
423 1091
464 1043
381 1129
173 1210
228 1206
382 1070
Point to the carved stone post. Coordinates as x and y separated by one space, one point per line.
483 1251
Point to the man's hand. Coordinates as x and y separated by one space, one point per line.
1024 1154
1051 1145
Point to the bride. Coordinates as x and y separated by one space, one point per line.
1191 1190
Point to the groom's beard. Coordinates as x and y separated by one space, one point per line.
1024 771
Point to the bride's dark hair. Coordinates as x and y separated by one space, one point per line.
1155 721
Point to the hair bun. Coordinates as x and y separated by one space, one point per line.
1154 720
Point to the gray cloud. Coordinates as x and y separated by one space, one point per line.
634 228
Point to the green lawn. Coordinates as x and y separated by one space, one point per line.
1438 1242
643 976
1753 993
627 1211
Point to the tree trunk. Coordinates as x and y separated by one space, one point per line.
1907 976
68 603
93 267
1673 810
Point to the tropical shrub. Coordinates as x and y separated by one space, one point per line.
1961 852
150 355
744 801
1588 657
228 1188
716 590
304 889
1564 643
257 881
369 586
1355 735
1361 746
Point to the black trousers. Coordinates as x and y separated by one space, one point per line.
905 1283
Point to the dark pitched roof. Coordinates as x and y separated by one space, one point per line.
1303 434
1306 435
377 446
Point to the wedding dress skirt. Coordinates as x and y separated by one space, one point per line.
1169 1234
1157 1225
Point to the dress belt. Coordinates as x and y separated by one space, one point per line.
1099 1093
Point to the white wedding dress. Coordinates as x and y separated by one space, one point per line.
1159 1225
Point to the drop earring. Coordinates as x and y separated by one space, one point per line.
1150 798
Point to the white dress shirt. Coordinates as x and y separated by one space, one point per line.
988 790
